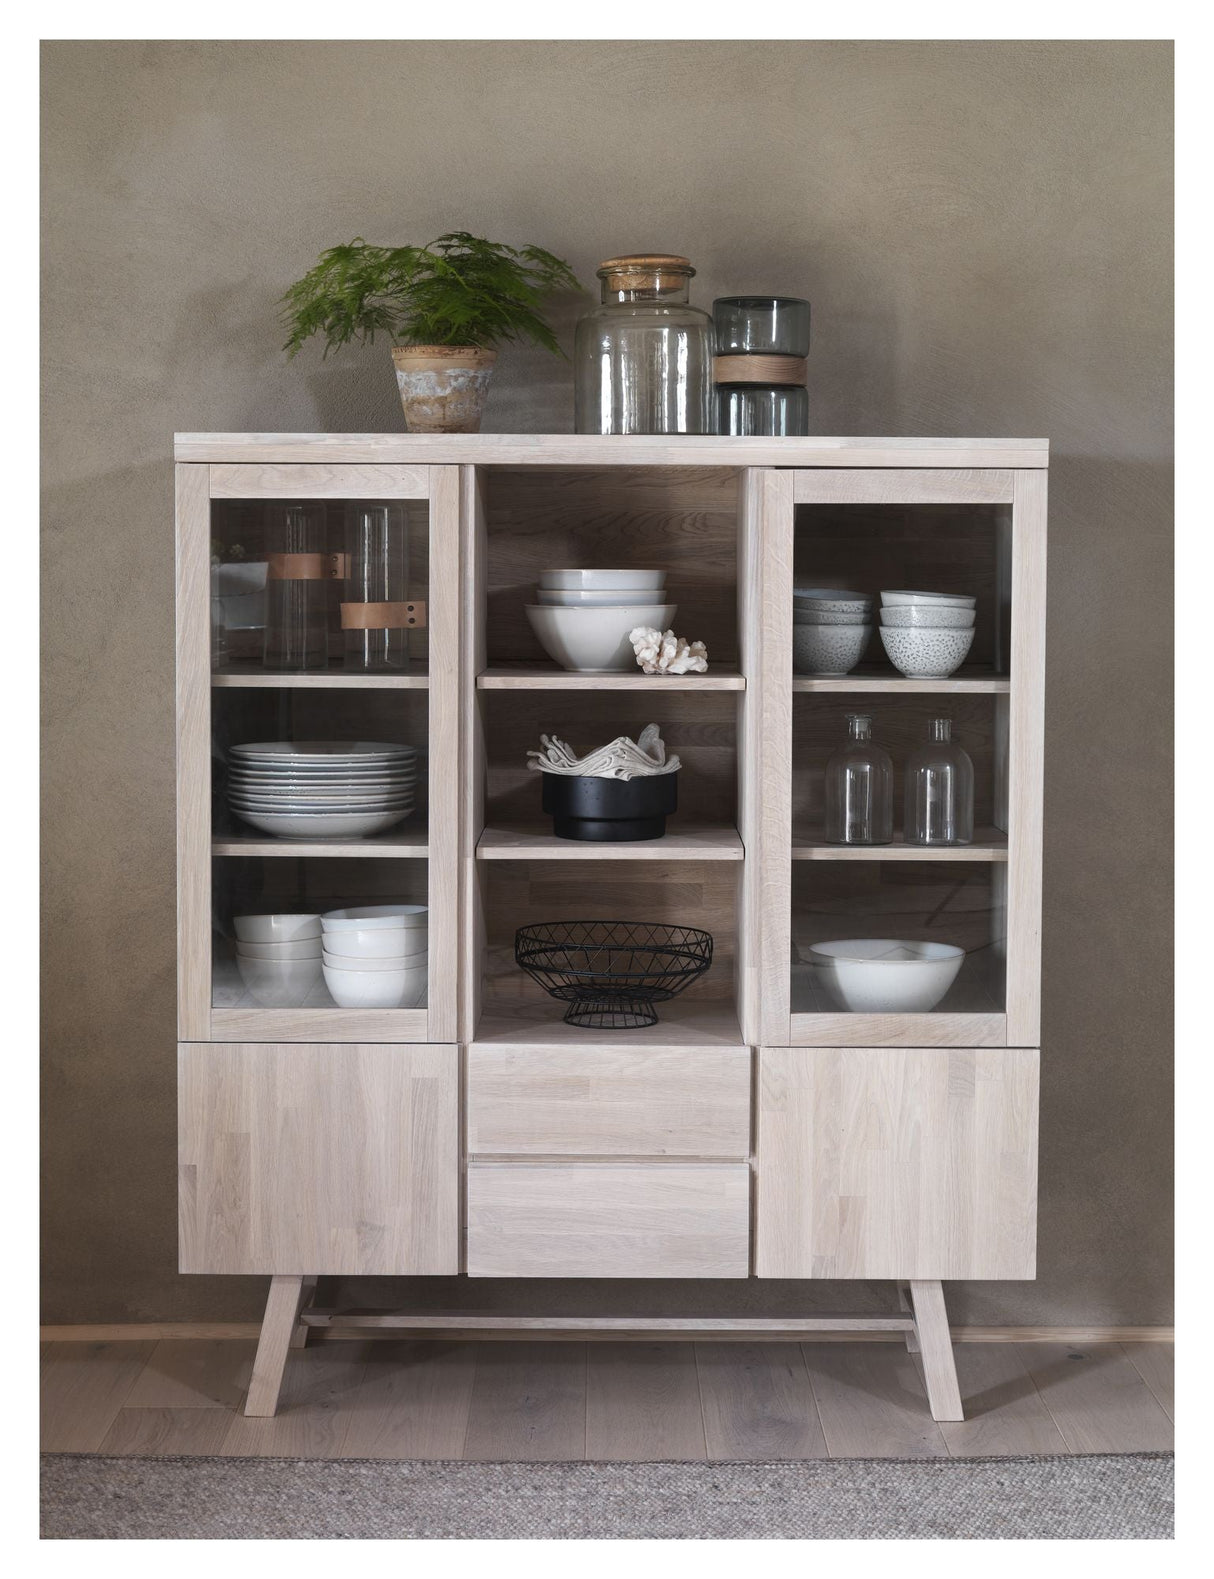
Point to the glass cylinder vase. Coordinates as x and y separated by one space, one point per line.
297 587
375 615
859 788
643 358
939 790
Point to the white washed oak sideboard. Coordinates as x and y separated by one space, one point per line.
755 1131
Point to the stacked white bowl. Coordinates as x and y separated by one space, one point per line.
375 956
830 629
322 789
927 635
278 957
581 618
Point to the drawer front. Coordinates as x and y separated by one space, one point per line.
318 1158
608 1220
897 1162
605 1102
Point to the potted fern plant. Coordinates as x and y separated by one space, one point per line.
447 307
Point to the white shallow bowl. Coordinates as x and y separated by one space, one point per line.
828 649
280 984
344 805
620 597
886 975
601 580
927 616
948 600
595 641
372 917
815 616
321 825
300 948
345 962
375 989
377 943
321 752
926 654
278 927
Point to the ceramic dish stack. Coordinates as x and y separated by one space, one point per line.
926 635
278 957
581 618
375 956
322 789
830 631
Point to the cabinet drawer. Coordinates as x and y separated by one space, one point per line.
318 1158
569 1101
896 1162
608 1220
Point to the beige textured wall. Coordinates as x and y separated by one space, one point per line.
984 231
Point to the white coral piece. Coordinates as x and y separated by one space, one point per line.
662 652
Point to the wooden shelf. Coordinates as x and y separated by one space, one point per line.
684 842
990 844
409 844
522 677
680 1024
869 678
252 676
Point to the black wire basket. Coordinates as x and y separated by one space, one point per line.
611 973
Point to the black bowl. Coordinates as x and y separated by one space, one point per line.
606 811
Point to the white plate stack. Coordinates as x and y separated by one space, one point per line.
582 618
322 789
278 957
375 956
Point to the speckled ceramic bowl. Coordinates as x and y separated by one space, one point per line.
828 649
928 616
926 654
807 614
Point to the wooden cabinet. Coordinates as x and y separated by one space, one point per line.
608 1220
318 1158
896 1162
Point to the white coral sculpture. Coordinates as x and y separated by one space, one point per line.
662 652
621 758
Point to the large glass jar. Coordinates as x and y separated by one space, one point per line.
297 587
643 359
375 611
859 788
939 790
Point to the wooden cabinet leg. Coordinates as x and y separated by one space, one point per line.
912 1342
299 1335
277 1325
936 1344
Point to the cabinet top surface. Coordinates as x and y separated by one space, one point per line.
575 449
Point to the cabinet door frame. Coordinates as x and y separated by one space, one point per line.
313 1159
1020 733
197 484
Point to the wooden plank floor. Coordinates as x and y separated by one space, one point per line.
633 1402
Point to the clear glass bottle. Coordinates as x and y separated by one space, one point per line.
643 359
939 790
859 788
375 624
297 587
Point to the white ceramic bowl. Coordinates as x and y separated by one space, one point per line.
601 580
361 918
927 616
926 654
620 597
300 948
886 975
277 928
377 943
828 649
595 641
948 600
321 825
344 962
330 753
831 598
814 616
343 808
279 984
375 989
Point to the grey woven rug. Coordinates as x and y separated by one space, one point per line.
1107 1496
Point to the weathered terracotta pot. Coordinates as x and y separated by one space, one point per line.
443 387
